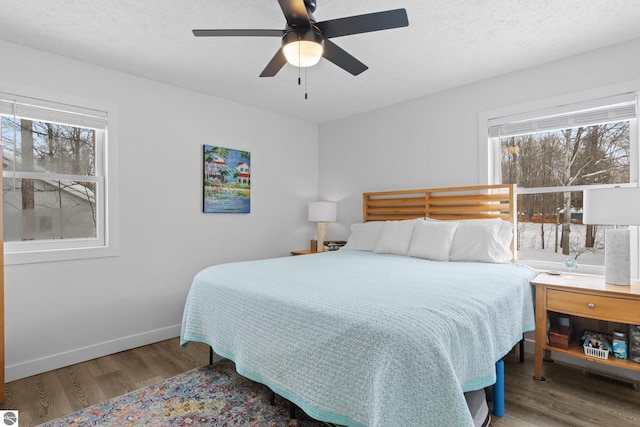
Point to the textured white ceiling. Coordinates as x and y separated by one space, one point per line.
448 43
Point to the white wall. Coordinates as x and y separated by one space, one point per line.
433 141
59 313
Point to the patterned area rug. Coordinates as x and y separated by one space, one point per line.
209 396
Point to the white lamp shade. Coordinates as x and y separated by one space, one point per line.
323 211
303 53
612 206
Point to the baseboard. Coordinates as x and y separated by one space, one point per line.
529 346
60 360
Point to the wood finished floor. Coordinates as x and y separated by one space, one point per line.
56 393
568 397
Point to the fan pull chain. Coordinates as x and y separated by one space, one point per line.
300 75
299 61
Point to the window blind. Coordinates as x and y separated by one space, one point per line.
41 110
604 110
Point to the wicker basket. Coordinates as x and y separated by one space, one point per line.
596 352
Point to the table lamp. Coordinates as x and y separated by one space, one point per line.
322 213
614 206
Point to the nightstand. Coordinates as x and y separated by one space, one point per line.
586 297
303 252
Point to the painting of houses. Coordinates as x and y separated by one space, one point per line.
227 180
244 174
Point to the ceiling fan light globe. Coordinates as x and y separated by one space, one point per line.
303 53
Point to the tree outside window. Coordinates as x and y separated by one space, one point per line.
551 169
57 201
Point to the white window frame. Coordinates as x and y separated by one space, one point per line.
489 158
105 244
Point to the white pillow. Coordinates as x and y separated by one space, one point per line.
395 237
505 234
364 237
432 239
484 240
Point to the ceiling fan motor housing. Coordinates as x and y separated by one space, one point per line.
310 5
302 34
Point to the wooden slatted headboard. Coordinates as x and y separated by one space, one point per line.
472 202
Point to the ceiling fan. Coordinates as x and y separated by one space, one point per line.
305 41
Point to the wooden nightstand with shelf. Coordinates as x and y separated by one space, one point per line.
303 252
585 297
330 245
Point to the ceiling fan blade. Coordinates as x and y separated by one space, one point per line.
342 59
276 63
232 33
364 23
295 12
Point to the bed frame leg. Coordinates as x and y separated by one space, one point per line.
272 398
292 406
498 390
522 349
292 410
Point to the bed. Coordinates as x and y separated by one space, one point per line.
370 335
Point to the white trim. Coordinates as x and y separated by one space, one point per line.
561 189
82 354
486 163
596 111
53 255
543 266
39 109
51 176
107 170
541 104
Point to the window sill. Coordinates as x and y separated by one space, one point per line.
542 266
54 255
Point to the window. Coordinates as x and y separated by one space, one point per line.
53 177
555 154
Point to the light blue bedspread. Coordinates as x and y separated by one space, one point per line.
364 339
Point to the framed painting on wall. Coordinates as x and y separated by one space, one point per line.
227 180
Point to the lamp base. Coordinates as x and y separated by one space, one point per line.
321 229
617 262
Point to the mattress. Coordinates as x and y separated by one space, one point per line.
477 403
